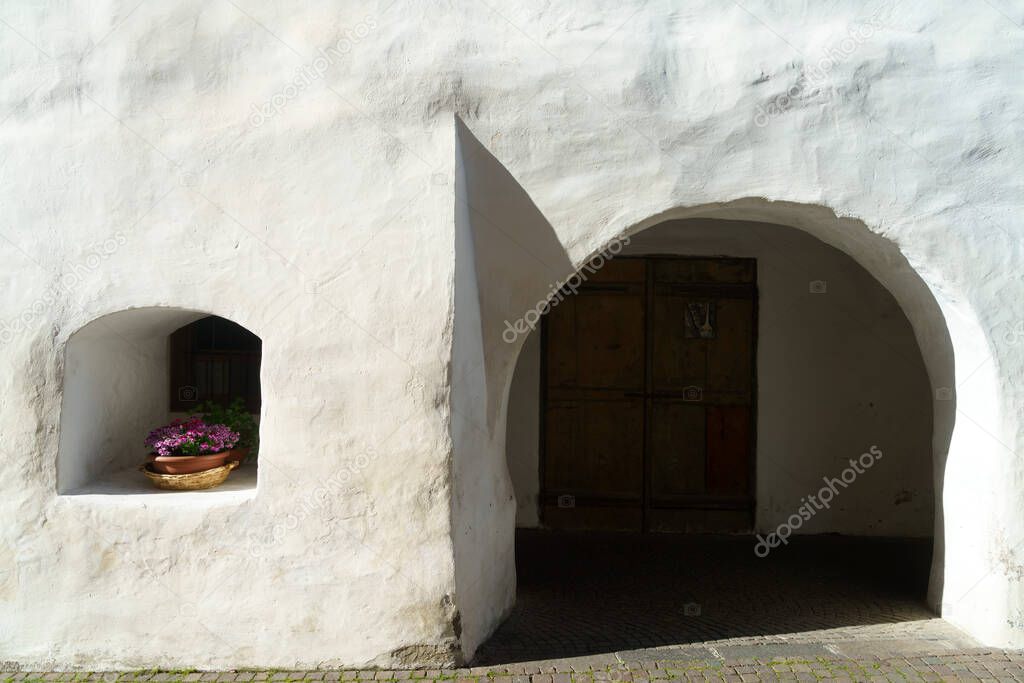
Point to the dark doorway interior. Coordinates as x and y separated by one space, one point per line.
585 593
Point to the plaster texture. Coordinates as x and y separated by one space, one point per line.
372 190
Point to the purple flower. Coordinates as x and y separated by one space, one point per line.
191 437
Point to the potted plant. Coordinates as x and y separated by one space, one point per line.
188 446
239 420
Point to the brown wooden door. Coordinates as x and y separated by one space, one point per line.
648 398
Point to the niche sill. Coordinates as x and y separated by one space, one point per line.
129 486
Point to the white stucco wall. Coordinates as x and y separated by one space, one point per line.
838 372
319 211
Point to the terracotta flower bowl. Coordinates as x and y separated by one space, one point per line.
187 464
237 455
189 482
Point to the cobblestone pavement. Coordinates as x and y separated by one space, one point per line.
595 608
972 665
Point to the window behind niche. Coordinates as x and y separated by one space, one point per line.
213 359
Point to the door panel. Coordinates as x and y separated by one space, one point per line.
562 433
560 356
610 341
677 361
728 442
678 449
730 358
599 447
649 397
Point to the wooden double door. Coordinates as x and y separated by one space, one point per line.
648 390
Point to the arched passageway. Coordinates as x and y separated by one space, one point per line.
721 376
511 261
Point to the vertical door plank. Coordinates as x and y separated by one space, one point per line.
561 361
594 417
610 341
728 436
677 448
611 462
730 357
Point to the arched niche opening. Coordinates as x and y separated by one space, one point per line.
131 371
